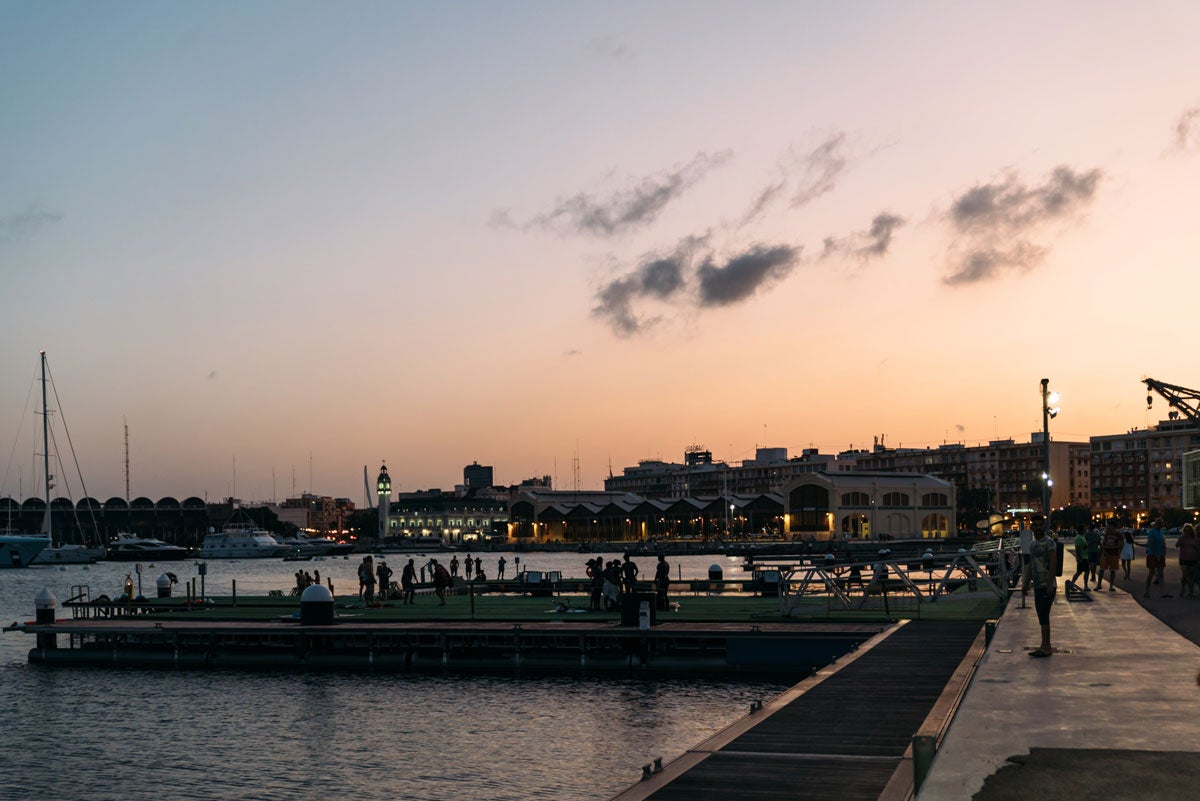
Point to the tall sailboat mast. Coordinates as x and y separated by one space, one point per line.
46 525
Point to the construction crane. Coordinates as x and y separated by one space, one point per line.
1185 401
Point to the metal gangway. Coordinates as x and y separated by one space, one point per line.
890 583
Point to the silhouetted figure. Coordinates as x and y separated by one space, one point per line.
662 580
385 579
408 580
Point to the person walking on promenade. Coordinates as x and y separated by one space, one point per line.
1043 555
441 580
1093 542
454 566
500 568
1189 555
408 581
468 566
662 581
1127 554
1110 555
1081 558
1156 558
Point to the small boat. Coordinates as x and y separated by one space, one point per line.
131 548
241 540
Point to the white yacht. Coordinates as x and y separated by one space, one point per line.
242 540
69 554
18 550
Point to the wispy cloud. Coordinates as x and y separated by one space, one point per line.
865 245
628 209
24 224
742 275
994 223
817 172
1187 129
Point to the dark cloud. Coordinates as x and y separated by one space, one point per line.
25 224
573 352
212 374
626 210
960 428
742 275
994 222
1010 206
872 243
982 263
818 171
657 277
1187 129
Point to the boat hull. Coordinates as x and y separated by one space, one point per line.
69 555
18 551
149 555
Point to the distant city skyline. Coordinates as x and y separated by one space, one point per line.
529 233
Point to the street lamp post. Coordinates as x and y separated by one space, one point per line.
1048 412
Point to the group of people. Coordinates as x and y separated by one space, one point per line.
304 580
369 575
609 580
1113 549
1097 552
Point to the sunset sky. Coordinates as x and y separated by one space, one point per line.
308 237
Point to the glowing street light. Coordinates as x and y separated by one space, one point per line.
1049 410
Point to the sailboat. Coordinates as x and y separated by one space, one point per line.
43 548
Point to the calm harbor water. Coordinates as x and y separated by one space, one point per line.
129 735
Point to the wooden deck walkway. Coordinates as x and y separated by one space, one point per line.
839 735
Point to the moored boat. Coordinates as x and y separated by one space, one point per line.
241 540
17 550
69 554
131 548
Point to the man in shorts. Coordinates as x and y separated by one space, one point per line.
1043 572
1110 555
1156 558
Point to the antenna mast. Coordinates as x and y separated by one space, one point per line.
125 421
46 447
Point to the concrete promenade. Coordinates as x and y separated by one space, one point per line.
1114 714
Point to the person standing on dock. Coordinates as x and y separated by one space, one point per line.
500 568
408 580
385 579
368 578
365 568
629 572
454 566
478 568
595 571
612 585
1043 554
470 565
441 580
662 581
